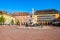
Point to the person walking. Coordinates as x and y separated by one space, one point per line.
26 24
41 25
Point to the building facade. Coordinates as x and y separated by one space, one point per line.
6 17
22 17
46 16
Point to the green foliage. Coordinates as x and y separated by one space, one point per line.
12 21
18 22
2 20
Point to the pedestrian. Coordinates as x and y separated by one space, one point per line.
41 25
26 24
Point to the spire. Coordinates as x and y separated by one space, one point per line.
32 11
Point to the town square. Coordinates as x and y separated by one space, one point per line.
29 19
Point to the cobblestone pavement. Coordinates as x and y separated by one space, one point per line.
21 33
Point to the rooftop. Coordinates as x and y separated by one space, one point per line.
20 14
48 11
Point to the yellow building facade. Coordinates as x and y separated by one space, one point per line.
36 16
45 17
8 18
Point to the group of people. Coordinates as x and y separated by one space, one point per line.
26 24
41 25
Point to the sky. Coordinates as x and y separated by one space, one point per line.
12 6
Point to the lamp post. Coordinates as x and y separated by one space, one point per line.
20 18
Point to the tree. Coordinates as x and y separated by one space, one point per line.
18 22
2 20
12 21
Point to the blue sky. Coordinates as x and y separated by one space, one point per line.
12 6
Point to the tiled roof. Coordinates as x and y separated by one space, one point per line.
3 12
48 11
20 14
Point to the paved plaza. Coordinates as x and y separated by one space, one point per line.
29 33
